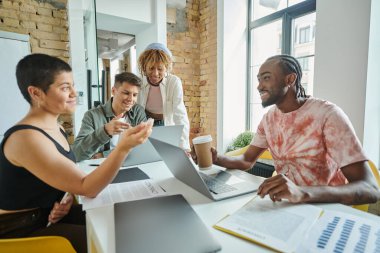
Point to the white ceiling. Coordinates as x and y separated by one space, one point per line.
179 4
112 44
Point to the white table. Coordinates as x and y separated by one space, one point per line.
100 221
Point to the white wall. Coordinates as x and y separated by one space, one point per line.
77 56
156 31
341 55
371 140
232 70
341 58
137 10
13 106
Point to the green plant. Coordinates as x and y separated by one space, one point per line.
241 141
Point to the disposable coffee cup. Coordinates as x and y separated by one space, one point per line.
202 145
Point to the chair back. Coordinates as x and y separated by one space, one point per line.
40 244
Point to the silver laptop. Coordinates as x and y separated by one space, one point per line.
161 225
146 153
216 186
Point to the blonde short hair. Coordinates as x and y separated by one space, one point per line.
152 56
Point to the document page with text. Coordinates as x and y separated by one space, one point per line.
277 225
121 192
342 232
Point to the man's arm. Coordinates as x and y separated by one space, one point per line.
90 138
361 189
242 162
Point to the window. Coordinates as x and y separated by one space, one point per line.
304 62
304 35
279 27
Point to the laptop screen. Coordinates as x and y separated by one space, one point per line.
146 153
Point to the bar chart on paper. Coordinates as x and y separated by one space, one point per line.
340 232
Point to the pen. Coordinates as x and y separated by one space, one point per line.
93 164
64 196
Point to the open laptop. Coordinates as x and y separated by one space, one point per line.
161 225
216 186
146 153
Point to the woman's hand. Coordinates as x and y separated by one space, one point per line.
135 135
61 209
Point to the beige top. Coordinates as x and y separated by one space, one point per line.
154 101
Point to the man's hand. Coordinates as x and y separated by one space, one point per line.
115 126
61 209
193 155
97 155
281 187
214 154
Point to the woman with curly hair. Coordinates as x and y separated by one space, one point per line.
161 93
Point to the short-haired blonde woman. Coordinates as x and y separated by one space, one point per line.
161 93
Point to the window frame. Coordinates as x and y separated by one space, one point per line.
287 15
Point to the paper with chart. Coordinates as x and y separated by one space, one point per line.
278 225
341 232
122 192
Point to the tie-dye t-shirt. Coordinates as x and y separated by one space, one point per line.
310 144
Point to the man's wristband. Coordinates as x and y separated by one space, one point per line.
106 131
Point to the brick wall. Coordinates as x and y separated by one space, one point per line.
208 66
192 40
47 25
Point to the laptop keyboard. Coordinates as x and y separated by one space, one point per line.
215 185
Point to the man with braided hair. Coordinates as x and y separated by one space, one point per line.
317 156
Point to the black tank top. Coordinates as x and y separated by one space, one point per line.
20 189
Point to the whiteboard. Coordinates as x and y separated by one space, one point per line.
13 106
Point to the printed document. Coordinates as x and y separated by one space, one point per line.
341 232
277 225
122 192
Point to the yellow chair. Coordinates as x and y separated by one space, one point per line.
375 172
237 152
40 244
266 155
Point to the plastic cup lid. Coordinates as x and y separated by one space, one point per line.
202 139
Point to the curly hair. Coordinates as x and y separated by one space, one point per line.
153 56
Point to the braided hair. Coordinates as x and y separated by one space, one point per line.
289 65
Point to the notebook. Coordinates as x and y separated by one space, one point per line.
216 186
161 225
146 153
